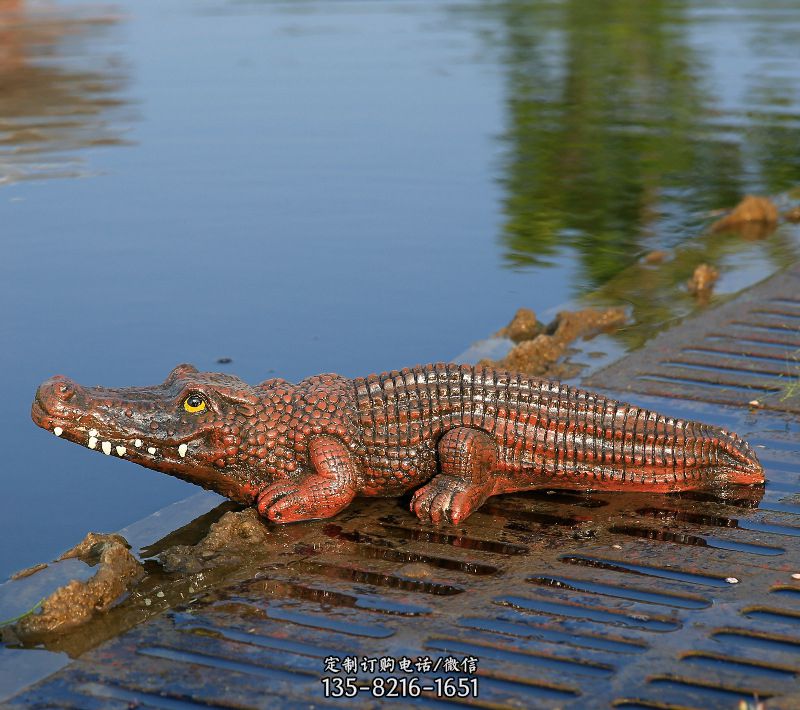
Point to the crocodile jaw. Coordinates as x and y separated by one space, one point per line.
102 420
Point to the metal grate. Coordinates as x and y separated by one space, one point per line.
568 600
748 349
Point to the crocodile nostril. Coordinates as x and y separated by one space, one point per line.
65 391
57 389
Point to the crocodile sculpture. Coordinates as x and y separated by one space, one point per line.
304 451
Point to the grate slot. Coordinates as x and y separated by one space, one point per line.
529 630
461 541
666 514
369 547
506 509
143 699
603 615
778 507
790 593
711 364
712 691
689 380
534 659
351 626
768 326
620 592
648 570
378 579
782 313
518 688
320 621
768 614
260 640
562 497
741 352
758 640
774 341
788 301
695 540
333 597
642 704
201 659
715 661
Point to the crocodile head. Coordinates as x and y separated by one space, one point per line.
189 426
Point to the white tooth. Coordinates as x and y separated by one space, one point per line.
92 432
58 431
182 450
92 442
151 449
137 443
121 450
106 446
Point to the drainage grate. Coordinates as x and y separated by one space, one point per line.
566 599
748 349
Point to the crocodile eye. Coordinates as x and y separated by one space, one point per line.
194 404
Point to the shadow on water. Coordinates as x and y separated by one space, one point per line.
60 89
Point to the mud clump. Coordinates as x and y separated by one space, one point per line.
229 542
540 354
702 281
77 602
754 217
523 326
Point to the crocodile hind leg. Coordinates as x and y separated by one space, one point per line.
321 494
467 458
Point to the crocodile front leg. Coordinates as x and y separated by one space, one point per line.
321 494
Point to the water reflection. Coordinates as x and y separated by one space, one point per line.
620 138
60 88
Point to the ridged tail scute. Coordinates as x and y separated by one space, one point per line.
623 442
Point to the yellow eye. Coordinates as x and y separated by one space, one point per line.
194 404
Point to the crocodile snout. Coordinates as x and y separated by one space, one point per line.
59 404
56 392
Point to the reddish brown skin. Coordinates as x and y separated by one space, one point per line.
304 451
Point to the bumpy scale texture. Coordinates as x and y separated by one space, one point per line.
304 451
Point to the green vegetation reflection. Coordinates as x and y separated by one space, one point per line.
616 142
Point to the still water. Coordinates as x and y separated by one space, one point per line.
347 186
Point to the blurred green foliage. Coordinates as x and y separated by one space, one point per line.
617 141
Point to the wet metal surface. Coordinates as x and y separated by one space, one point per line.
747 351
566 599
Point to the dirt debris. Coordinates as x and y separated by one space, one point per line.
703 279
655 257
753 217
29 571
77 602
523 326
229 541
540 354
416 570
